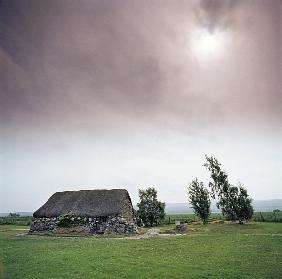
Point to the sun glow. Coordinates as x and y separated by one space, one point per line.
208 45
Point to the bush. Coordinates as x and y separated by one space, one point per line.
69 220
19 221
275 216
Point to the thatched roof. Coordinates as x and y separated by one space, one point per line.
86 203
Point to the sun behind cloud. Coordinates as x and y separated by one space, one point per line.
206 45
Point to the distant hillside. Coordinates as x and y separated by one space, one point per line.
267 205
21 214
183 208
259 205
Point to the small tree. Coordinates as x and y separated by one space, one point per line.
219 185
150 210
228 203
199 198
245 209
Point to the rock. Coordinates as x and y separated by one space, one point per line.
182 227
121 220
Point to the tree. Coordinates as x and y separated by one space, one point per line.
245 209
150 210
219 186
199 198
233 201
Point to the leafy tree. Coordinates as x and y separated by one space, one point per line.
219 186
199 198
245 209
228 203
150 210
233 201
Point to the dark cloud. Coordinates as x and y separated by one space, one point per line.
67 62
213 14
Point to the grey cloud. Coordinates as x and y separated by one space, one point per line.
214 14
100 62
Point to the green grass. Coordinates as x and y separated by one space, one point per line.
213 251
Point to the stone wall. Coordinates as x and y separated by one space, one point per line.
127 210
43 224
94 225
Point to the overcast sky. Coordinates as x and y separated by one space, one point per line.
132 94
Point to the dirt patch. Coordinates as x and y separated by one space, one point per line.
151 233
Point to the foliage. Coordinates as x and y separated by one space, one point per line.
13 214
222 251
188 218
275 217
233 201
219 184
276 213
150 210
20 221
191 217
244 209
69 220
199 198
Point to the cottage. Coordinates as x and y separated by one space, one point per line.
97 211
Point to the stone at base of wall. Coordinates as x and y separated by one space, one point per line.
94 225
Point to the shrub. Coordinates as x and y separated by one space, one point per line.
19 221
69 220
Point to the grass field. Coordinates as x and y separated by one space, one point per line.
213 251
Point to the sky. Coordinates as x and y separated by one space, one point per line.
133 94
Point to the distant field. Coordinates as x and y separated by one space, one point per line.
213 251
258 217
268 217
187 218
20 221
